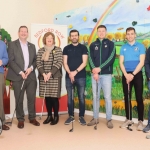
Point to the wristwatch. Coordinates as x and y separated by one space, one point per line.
132 74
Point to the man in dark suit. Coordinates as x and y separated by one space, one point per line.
22 64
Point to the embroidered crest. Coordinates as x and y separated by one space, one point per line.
96 47
136 48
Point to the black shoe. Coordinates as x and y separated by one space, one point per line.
55 121
48 120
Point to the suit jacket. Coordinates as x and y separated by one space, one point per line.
16 61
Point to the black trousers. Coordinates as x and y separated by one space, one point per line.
52 103
137 82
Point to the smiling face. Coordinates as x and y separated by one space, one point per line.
74 37
131 35
101 32
49 40
23 34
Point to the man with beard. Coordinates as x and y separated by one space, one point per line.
75 58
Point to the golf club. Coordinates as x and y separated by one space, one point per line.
71 130
129 125
1 124
40 117
95 127
10 123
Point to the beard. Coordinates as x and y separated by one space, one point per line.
75 41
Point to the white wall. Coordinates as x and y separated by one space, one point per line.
14 13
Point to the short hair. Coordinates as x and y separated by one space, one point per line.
46 35
102 26
130 28
23 27
74 30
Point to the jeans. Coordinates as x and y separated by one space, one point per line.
104 83
80 85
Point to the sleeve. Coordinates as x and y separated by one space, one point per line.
147 63
91 57
12 62
5 56
84 50
142 49
58 60
39 62
65 51
121 51
111 57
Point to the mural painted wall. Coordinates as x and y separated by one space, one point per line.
116 15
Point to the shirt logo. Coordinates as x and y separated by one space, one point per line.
105 45
96 47
136 48
124 49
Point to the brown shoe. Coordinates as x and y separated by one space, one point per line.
20 124
4 127
34 122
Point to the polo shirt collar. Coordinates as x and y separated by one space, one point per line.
133 44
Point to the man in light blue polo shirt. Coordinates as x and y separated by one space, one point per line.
132 57
3 62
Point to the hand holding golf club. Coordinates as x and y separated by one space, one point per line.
47 76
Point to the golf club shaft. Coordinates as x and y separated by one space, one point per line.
17 102
96 103
129 99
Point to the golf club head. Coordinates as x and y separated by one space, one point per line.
9 123
1 126
129 127
95 127
71 130
40 117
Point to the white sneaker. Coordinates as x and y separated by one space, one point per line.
126 123
140 126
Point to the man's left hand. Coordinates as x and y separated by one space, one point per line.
28 71
96 70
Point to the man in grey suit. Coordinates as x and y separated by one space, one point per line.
22 64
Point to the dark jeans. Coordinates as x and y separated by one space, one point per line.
80 85
137 82
52 103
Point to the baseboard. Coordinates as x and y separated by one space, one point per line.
114 117
87 112
8 116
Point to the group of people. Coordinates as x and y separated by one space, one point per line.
23 61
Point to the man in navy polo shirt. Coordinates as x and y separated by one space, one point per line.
132 57
75 58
